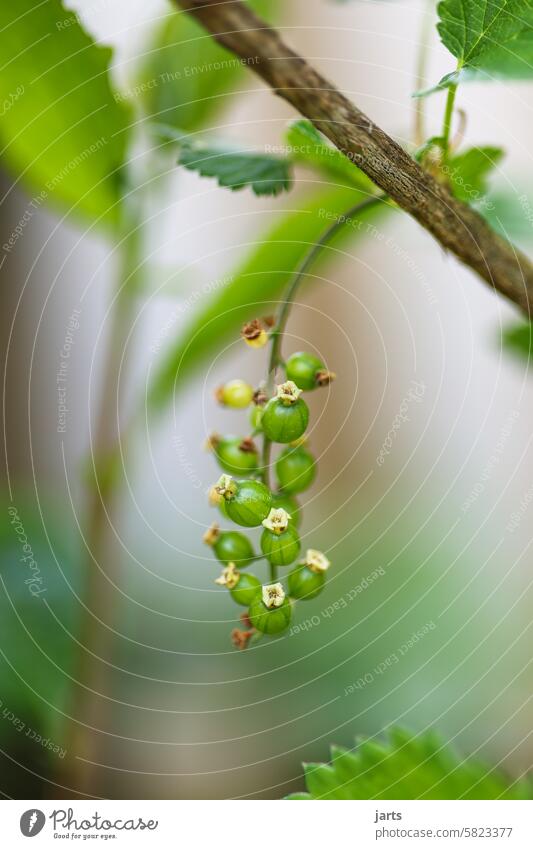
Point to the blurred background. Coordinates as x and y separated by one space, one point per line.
433 540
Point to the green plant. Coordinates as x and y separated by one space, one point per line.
68 136
407 766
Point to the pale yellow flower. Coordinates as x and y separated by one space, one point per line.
316 561
288 392
277 520
229 577
273 595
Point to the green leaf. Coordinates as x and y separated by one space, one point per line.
492 37
187 76
235 169
409 766
255 286
518 339
510 215
468 171
62 131
309 147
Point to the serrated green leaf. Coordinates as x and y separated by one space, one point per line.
468 172
489 36
187 77
62 131
408 766
309 147
255 286
235 169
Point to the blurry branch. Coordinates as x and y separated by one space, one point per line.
456 226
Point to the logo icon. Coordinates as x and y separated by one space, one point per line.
32 822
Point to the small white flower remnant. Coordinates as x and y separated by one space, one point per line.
273 595
277 520
225 486
229 577
288 392
212 534
316 561
213 496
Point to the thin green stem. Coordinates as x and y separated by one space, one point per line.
448 117
283 317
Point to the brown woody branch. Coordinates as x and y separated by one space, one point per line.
455 225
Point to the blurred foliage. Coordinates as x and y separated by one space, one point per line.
469 170
518 339
62 131
37 632
407 767
188 76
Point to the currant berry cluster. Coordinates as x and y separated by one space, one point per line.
244 496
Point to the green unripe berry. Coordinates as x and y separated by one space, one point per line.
270 620
235 455
289 504
246 589
248 503
295 469
302 369
304 583
281 549
236 394
234 547
285 422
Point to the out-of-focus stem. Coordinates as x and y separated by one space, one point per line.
426 23
86 742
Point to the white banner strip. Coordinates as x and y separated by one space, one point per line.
256 825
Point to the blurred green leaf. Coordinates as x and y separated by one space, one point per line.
235 169
509 214
468 171
407 767
187 75
519 340
39 579
309 147
256 285
62 131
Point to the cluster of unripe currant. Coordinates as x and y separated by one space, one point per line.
243 495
